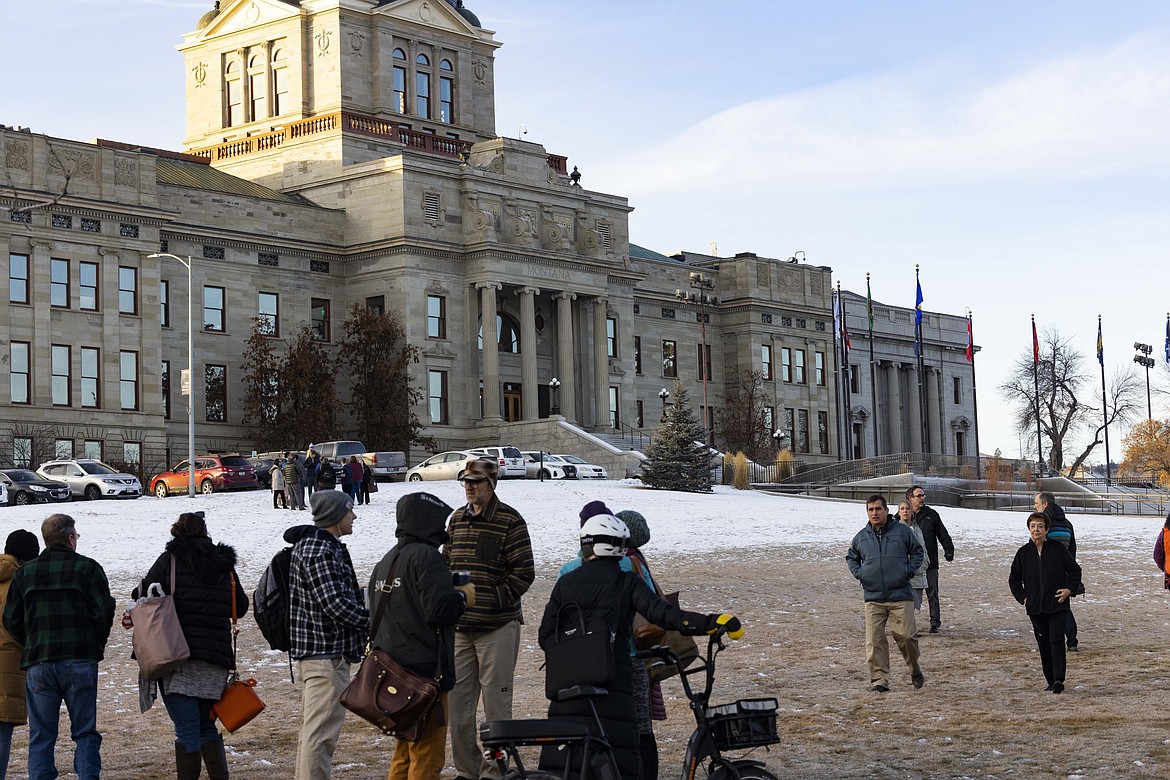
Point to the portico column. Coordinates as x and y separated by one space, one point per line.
528 380
568 390
933 414
894 411
600 366
915 414
491 349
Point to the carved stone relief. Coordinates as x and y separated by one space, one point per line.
495 166
519 224
16 155
481 219
479 70
70 162
588 239
762 275
436 288
323 39
125 172
356 41
200 74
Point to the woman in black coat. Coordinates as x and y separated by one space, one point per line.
1043 578
603 591
204 579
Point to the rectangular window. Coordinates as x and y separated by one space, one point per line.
165 375
766 361
60 358
215 386
22 447
854 379
399 90
164 303
20 386
446 100
437 396
88 286
798 366
128 379
320 316
802 430
213 309
90 380
18 278
640 412
611 337
614 417
819 368
62 449
422 84
436 317
790 427
786 364
92 449
958 389
268 314
376 304
127 290
132 453
770 419
669 362
59 283
638 355
707 364
823 432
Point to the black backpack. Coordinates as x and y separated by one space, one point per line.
270 601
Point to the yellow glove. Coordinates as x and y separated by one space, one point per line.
731 622
468 591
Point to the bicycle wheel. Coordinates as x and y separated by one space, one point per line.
746 772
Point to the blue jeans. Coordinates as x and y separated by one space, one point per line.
5 747
46 686
192 718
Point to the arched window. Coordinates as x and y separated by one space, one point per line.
423 59
445 65
279 82
233 94
399 102
258 87
399 54
509 334
446 93
422 86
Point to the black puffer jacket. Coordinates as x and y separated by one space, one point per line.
203 598
592 587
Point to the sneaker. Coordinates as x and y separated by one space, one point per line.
1057 686
881 689
918 679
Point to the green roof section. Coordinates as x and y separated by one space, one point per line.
642 253
184 173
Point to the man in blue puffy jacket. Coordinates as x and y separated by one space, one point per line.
883 557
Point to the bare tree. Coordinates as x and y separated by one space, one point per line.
743 424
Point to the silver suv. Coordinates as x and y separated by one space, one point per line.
511 462
91 479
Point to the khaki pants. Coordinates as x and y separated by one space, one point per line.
424 759
900 616
321 682
485 664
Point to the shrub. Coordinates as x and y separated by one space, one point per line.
741 479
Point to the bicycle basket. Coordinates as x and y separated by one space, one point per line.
746 723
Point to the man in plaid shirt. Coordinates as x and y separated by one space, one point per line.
329 625
60 609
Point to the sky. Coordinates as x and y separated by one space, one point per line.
1017 152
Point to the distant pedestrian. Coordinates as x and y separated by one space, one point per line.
294 475
278 484
20 548
1060 530
353 479
1162 553
367 478
312 463
918 581
326 475
934 533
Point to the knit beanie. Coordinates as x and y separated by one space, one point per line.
594 508
639 531
22 545
329 507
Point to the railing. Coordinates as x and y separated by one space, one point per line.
888 465
633 435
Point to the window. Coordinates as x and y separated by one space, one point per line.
790 427
92 449
213 309
165 375
59 361
62 449
258 87
611 337
669 364
90 381
164 303
766 361
234 92
128 379
436 317
640 412
854 379
127 290
958 389
88 286
509 335
399 103
59 283
268 259
437 396
704 365
446 93
320 316
268 313
422 87
280 102
819 368
376 304
132 454
17 278
18 361
638 355
22 452
798 366
614 418
802 430
770 419
823 432
215 386
786 364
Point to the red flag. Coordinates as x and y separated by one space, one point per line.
970 343
1035 344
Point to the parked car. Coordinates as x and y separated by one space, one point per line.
445 465
23 486
213 473
551 466
385 465
91 479
263 465
585 469
510 459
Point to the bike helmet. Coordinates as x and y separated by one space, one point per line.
607 536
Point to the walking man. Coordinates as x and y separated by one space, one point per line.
328 623
1060 530
490 540
933 534
883 557
60 609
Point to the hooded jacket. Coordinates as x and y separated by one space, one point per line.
12 706
884 560
1059 528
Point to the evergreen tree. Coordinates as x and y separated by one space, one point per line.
677 459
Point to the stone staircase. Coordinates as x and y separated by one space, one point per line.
628 442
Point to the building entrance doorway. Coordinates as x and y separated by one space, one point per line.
512 407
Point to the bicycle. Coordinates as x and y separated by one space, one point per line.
740 725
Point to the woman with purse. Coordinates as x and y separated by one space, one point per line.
20 548
204 580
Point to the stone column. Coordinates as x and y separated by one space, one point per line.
933 413
894 409
915 404
568 395
600 366
529 383
491 346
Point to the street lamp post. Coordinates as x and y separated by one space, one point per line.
553 384
664 394
190 372
1144 359
779 437
702 285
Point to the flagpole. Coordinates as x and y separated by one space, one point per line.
846 403
1036 383
918 344
1104 402
974 395
836 372
872 366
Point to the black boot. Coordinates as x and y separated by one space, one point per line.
215 759
188 765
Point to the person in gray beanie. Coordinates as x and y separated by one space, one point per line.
330 508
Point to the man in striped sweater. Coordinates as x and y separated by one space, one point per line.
490 540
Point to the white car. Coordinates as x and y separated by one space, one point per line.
585 469
510 460
92 479
445 465
552 466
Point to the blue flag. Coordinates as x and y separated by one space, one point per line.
917 315
1100 344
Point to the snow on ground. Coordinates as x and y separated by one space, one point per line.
127 536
